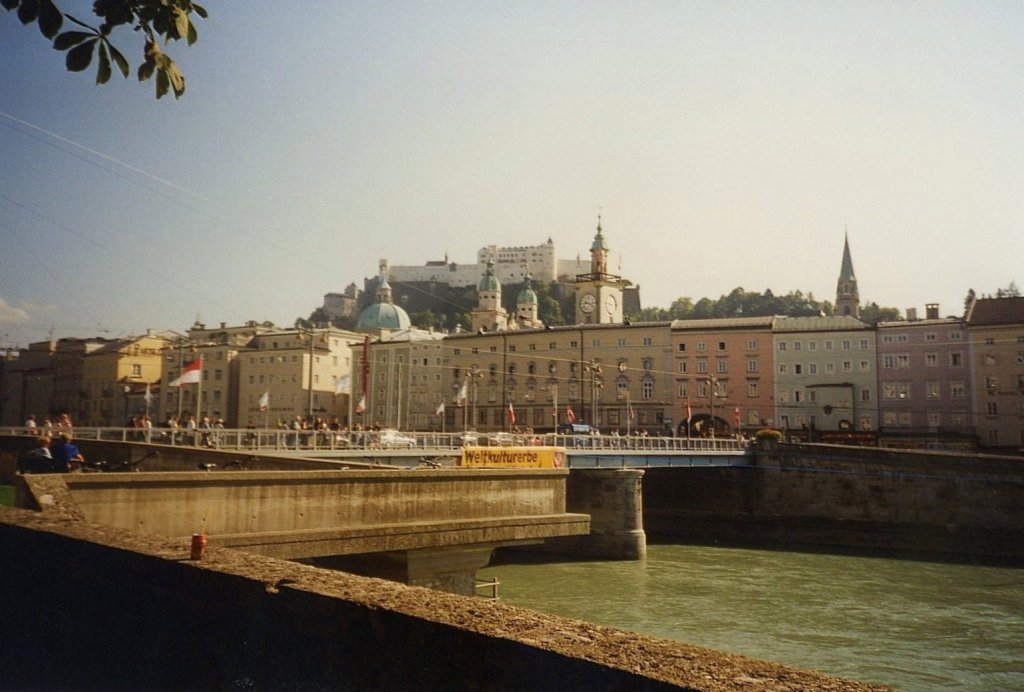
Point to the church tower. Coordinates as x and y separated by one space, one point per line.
847 295
527 308
598 294
488 315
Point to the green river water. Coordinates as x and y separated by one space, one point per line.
909 624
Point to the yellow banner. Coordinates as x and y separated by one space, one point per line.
514 457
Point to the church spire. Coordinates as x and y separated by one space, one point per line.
847 295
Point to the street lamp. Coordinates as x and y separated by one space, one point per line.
712 393
596 385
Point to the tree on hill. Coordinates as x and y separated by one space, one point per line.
155 20
741 303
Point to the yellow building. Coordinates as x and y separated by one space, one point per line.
115 378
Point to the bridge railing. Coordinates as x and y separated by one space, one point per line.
252 439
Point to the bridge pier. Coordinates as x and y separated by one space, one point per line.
613 499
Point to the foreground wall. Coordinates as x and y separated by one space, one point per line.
929 503
92 607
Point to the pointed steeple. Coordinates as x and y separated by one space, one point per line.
847 295
846 271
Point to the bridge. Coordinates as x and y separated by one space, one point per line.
414 449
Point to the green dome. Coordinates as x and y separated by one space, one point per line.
526 296
382 316
490 281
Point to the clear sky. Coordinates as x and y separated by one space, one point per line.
725 143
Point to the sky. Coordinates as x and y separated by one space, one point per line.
724 144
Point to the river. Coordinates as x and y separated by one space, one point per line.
909 624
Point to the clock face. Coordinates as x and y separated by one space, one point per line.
609 304
622 366
588 303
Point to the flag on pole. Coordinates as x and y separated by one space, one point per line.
344 385
190 374
361 406
689 412
265 400
149 395
511 414
439 410
569 415
463 394
736 416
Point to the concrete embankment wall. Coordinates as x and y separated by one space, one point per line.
928 503
93 607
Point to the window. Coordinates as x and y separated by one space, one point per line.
783 397
992 408
934 419
931 360
752 390
682 347
828 345
721 345
701 346
782 345
798 369
956 390
812 346
752 365
846 344
847 366
752 345
798 345
812 369
798 396
956 359
647 341
648 364
682 366
722 365
552 345
864 366
782 368
533 347
647 389
991 382
863 344
930 336
865 395
702 365
682 391
931 390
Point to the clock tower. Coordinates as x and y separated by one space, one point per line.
598 294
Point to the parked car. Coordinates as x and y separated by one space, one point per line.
393 438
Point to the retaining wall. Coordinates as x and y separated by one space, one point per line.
919 502
91 607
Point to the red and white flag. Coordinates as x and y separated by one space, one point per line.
190 374
439 410
736 416
569 415
361 406
511 414
265 400
689 412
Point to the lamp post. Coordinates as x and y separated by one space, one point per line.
712 393
596 385
474 375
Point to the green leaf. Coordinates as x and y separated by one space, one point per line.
80 56
50 18
28 11
192 34
70 38
161 84
199 10
103 71
119 60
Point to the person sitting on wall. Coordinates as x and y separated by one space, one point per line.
64 453
39 459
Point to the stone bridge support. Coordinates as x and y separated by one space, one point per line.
613 499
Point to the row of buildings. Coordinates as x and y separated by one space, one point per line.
954 382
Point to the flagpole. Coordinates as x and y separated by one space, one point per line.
629 414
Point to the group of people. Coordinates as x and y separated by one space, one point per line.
48 456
